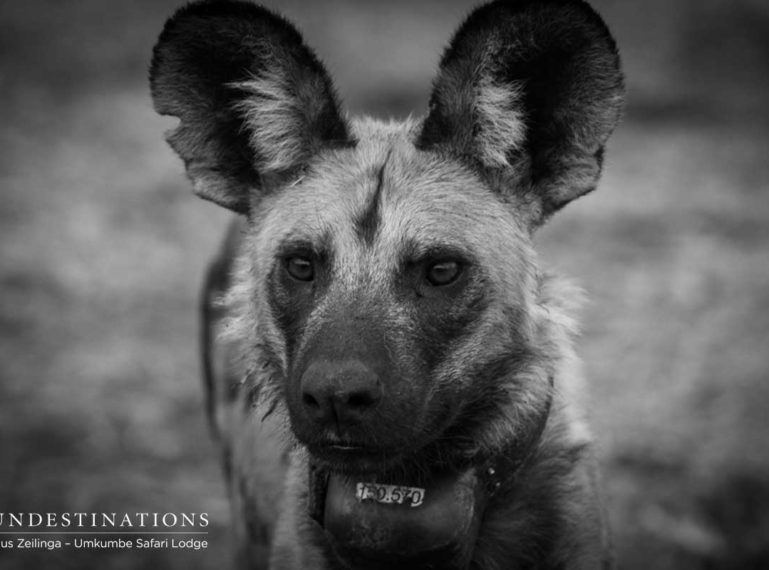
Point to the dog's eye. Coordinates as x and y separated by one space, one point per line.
443 273
300 268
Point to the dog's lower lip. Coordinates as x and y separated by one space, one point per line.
350 458
347 448
346 452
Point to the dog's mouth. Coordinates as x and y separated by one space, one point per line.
349 458
412 454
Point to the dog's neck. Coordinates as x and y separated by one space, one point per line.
375 524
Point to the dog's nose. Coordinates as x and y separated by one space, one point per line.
340 392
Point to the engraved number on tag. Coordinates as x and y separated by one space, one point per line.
390 494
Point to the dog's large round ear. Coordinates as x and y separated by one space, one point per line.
252 99
529 91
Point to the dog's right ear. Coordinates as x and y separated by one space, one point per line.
252 99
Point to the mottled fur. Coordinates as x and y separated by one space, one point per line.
526 96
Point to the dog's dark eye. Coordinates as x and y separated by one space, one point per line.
443 273
300 268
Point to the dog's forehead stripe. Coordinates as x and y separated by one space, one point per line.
367 224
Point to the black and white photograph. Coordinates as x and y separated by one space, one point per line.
360 285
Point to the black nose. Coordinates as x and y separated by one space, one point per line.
339 392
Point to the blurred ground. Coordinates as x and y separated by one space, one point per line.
102 247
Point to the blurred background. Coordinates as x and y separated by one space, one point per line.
103 245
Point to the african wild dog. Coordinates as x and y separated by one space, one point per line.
390 374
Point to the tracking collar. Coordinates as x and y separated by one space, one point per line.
379 525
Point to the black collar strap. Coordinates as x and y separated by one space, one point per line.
508 463
316 499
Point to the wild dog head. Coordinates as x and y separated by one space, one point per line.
388 294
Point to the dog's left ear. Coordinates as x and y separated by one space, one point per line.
529 91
